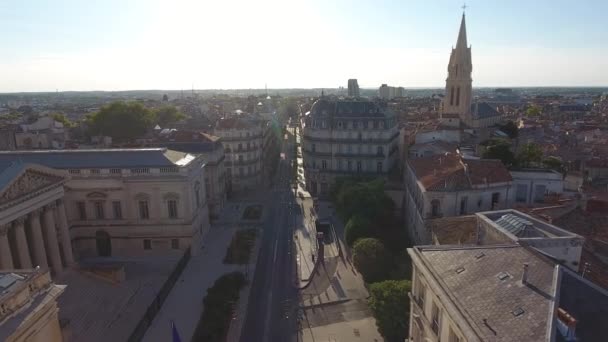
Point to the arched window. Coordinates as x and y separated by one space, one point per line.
452 96
435 208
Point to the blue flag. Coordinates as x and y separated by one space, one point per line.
174 333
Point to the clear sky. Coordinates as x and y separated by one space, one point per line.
155 44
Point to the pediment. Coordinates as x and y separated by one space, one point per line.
27 182
96 194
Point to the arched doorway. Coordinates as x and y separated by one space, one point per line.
104 243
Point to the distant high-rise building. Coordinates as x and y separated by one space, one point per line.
353 88
387 92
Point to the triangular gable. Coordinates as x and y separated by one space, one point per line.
30 178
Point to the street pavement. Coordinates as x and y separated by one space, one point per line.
273 298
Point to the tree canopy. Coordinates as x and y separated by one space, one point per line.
389 303
533 110
499 149
554 163
122 121
167 115
368 199
529 155
60 117
371 259
356 228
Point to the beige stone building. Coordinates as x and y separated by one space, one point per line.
458 97
500 293
449 185
28 307
243 140
100 203
347 138
211 149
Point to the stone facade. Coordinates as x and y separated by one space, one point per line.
347 138
106 207
28 307
243 141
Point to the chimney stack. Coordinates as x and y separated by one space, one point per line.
524 276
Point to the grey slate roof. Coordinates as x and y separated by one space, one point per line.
9 171
482 110
99 158
486 301
325 107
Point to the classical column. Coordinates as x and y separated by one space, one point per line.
23 250
6 259
66 240
39 252
51 238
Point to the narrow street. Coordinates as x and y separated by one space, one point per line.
273 298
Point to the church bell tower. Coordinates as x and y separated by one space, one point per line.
458 85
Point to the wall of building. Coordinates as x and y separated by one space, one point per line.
129 232
244 155
530 187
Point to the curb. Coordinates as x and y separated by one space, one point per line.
335 302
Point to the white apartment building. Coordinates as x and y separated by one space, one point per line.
347 138
449 185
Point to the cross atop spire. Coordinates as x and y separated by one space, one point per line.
464 7
462 34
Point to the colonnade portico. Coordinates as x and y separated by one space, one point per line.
39 238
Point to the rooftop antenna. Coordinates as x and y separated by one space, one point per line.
192 89
266 88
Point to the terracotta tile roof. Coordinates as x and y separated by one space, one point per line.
450 172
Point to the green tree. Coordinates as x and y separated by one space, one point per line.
122 121
499 149
60 117
533 110
529 155
554 163
167 115
510 128
389 303
356 228
365 198
371 259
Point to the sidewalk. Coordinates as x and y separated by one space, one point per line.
184 304
305 238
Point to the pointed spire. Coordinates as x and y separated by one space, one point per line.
462 34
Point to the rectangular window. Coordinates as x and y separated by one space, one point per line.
324 164
435 319
144 213
379 167
241 171
463 205
339 164
359 168
147 244
172 208
314 147
99 210
539 193
350 165
82 210
117 209
521 193
495 200
175 243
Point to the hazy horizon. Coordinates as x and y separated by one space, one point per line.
114 46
